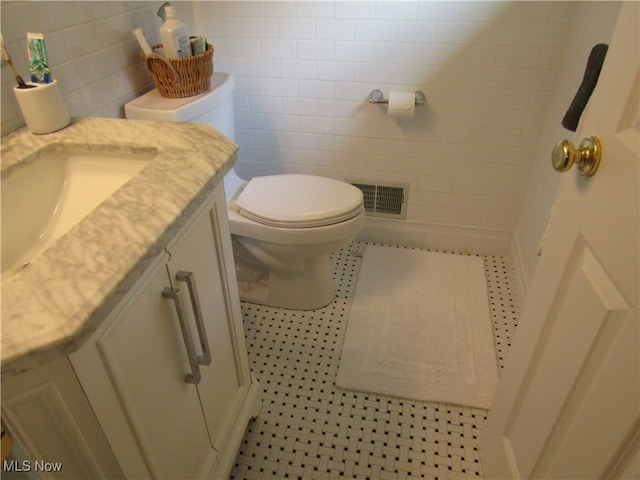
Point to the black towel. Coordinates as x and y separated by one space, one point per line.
591 74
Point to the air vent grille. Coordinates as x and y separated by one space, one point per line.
383 199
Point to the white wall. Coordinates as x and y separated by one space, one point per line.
91 50
544 181
304 71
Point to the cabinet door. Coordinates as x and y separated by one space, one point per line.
145 354
135 379
48 414
201 254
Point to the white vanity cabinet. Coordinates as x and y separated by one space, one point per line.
169 377
99 375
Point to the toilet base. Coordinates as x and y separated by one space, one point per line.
310 288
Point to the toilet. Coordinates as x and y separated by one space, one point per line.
283 227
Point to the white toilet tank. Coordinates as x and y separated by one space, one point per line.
214 107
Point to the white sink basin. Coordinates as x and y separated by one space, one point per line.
43 200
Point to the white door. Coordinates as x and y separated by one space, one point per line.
568 405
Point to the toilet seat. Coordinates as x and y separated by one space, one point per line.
298 201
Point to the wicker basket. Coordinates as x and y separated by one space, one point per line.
180 77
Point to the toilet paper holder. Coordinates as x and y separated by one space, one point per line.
376 96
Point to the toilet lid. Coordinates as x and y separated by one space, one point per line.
298 201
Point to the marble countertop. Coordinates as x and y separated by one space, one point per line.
53 305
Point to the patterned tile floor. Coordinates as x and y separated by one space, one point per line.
309 429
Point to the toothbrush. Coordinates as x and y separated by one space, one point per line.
4 54
142 41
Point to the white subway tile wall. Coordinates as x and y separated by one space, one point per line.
304 71
91 49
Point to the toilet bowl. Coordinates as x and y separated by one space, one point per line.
284 227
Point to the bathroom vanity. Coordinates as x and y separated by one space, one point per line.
123 351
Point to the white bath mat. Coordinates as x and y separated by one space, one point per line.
420 328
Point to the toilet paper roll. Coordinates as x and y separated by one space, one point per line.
42 107
401 105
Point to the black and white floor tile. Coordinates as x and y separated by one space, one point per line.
309 429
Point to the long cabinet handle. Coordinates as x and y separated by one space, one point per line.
188 278
194 376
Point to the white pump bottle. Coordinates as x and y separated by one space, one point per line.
175 39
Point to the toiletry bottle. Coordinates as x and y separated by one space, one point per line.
175 39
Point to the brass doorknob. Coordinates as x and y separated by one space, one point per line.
586 156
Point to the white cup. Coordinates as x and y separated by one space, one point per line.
42 107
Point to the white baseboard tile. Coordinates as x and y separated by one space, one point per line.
519 270
452 238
